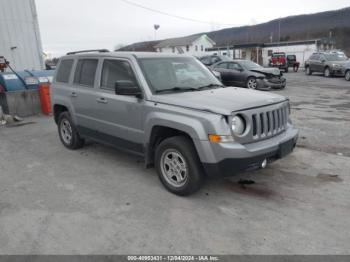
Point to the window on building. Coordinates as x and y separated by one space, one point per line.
85 72
196 48
187 48
116 70
202 48
173 49
269 52
63 72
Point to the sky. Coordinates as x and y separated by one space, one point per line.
68 25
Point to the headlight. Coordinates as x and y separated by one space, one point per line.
336 65
238 125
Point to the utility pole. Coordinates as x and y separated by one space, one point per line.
156 27
279 33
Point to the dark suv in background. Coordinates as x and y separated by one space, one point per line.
328 63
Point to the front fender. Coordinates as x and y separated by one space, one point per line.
191 126
197 128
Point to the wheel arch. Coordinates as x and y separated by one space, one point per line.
57 110
160 127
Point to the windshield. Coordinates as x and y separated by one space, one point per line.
249 65
335 57
177 74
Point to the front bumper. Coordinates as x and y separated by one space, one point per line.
233 158
338 71
266 84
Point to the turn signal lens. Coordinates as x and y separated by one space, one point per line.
220 139
214 138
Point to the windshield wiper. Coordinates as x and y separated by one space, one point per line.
209 86
177 89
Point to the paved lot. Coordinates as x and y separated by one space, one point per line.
98 200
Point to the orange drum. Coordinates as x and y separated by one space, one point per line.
45 101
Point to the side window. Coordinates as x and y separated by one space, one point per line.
322 58
234 66
85 72
64 70
116 70
222 65
314 57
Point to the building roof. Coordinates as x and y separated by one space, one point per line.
181 41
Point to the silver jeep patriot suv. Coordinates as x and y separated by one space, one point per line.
171 110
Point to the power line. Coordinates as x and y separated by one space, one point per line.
175 16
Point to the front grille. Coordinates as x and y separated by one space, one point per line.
269 123
264 122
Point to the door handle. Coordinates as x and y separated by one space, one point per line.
102 100
73 94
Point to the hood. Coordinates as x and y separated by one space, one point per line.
267 71
220 101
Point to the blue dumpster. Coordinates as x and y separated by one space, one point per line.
23 80
19 91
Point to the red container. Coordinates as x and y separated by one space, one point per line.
45 101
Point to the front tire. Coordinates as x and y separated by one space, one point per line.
327 72
308 71
178 166
251 83
347 75
68 132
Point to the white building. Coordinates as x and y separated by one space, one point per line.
261 52
192 45
20 41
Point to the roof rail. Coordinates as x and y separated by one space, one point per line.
89 51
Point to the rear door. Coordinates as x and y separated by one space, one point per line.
119 116
237 75
222 68
83 95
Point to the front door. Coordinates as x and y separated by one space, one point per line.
120 117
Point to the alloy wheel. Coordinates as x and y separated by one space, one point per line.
327 73
66 131
347 75
252 84
174 168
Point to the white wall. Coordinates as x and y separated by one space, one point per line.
19 28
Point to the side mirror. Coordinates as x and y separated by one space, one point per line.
323 60
127 88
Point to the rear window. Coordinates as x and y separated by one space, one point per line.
64 70
85 72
